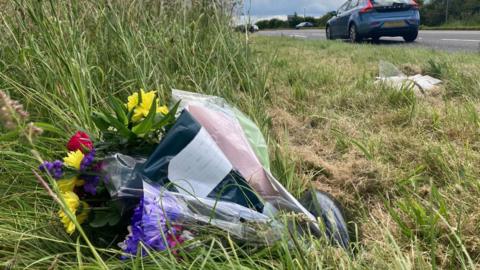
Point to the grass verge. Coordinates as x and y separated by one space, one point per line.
403 166
452 27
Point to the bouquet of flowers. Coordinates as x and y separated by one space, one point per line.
158 177
80 177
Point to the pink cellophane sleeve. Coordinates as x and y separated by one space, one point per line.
230 138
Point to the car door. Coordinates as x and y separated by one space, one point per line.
334 24
344 18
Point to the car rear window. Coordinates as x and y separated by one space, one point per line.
390 2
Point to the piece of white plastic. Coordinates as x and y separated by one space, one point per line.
391 76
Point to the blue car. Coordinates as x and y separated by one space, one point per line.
303 25
360 19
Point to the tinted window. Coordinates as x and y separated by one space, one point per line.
354 4
390 2
344 6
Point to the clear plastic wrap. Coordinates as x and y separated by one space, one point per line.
252 132
198 214
211 171
193 213
121 178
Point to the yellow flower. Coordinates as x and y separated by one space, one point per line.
74 159
83 215
73 204
68 184
163 110
132 101
141 110
72 201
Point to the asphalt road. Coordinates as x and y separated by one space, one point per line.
468 41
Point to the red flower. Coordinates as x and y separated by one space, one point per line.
80 141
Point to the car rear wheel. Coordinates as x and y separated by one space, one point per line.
324 207
328 33
353 34
410 37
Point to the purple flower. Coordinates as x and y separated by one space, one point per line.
87 160
57 164
150 224
91 183
53 168
92 178
46 166
132 240
154 226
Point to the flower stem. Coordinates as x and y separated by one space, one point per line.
71 215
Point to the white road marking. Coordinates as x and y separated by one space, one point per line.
441 40
466 40
299 36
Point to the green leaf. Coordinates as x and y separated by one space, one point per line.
146 125
140 97
168 118
100 121
104 217
110 215
114 219
121 128
130 115
362 148
79 253
49 127
119 109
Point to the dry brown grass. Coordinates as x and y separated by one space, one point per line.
377 150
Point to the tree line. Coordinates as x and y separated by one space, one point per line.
438 12
293 21
432 13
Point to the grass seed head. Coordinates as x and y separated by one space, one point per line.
11 111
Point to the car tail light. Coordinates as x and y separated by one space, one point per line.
414 4
368 7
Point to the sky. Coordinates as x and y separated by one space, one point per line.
278 8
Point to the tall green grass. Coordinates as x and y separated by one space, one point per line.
62 56
63 59
405 167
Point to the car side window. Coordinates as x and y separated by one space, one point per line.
353 4
344 7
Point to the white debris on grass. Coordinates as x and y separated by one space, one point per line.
392 77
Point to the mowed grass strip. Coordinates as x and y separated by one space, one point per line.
404 166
